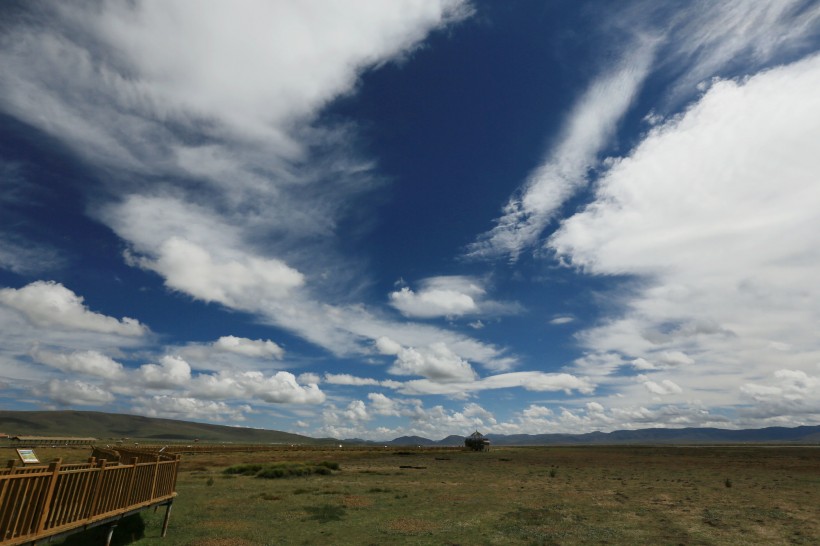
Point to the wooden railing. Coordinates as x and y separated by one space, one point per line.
42 501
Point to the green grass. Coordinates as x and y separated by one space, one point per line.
606 495
282 469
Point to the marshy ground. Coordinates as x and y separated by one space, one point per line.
525 495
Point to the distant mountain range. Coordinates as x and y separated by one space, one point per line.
802 435
111 426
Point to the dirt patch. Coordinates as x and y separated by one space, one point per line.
356 501
223 542
411 526
231 526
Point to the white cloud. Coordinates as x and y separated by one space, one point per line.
789 393
387 346
236 281
382 405
347 379
279 388
52 305
534 411
171 372
256 348
715 211
642 364
561 320
695 43
25 257
245 218
448 296
74 392
282 388
308 378
587 130
531 381
82 362
174 407
707 37
664 387
436 362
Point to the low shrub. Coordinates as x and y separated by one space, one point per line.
244 469
326 512
283 469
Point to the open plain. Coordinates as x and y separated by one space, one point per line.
516 495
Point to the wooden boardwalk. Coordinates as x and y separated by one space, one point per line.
40 502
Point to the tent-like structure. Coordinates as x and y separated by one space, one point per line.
477 442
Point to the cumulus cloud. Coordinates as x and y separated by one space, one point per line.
171 372
793 394
715 213
664 387
436 362
245 215
447 296
52 305
696 43
175 407
82 362
279 388
72 392
234 281
256 348
382 405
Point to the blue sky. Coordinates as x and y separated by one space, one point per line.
370 219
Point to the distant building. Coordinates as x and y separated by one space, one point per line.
52 440
477 442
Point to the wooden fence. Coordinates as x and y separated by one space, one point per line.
40 502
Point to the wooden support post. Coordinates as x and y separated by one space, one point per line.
167 517
110 534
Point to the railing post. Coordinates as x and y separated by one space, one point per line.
48 498
128 497
95 498
154 479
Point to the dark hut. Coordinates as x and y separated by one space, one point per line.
477 442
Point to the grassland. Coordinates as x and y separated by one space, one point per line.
547 495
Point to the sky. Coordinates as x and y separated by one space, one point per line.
368 219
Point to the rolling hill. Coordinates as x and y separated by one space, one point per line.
106 426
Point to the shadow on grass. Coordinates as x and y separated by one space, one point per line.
129 530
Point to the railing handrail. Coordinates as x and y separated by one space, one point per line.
40 501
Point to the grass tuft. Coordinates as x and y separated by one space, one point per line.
324 513
282 470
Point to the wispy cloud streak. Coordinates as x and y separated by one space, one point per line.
587 132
